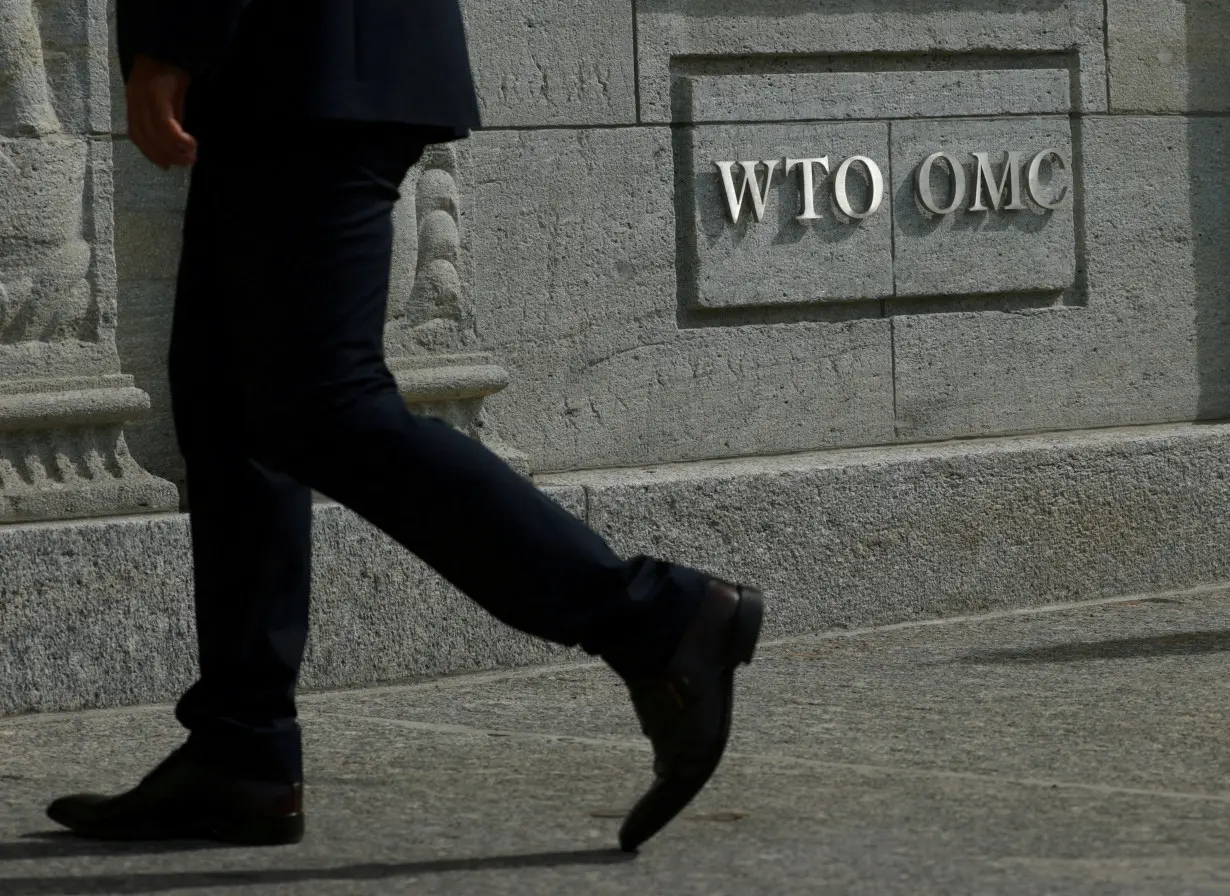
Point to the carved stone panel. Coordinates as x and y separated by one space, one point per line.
63 400
428 308
46 293
25 96
63 453
431 337
57 277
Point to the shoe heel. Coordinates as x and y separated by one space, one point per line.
745 627
278 831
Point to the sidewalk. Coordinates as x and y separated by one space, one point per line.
1081 751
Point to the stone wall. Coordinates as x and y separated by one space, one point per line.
735 387
637 322
639 326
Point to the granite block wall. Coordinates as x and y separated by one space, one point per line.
712 270
640 325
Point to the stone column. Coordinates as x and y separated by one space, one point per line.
431 339
63 400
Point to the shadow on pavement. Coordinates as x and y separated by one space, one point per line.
87 885
1176 644
63 845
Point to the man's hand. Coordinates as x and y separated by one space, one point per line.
155 94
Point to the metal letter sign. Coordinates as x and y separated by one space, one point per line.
984 179
1034 181
956 172
990 192
809 184
843 197
984 175
735 200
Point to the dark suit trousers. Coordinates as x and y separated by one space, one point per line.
279 385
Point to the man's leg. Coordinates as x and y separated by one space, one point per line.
324 407
300 283
238 778
250 530
307 264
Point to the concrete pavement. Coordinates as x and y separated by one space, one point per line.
1080 750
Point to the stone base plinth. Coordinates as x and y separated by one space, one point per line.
98 613
453 388
63 454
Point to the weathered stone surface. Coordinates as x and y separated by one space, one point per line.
46 404
57 311
850 538
100 613
45 253
53 54
988 373
969 252
77 473
149 208
875 95
1152 342
714 392
118 113
727 32
430 309
1157 256
143 339
553 62
25 100
1209 167
570 497
577 294
63 454
781 260
1168 55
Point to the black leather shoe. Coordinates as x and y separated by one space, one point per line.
685 712
184 800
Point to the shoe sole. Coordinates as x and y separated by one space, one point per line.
670 796
749 616
281 831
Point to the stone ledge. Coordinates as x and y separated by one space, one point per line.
98 613
881 535
48 409
449 382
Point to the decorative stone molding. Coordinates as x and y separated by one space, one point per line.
431 338
25 101
63 455
429 311
63 400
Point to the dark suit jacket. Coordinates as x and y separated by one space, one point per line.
401 61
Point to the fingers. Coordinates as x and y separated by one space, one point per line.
156 95
177 146
178 101
140 128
